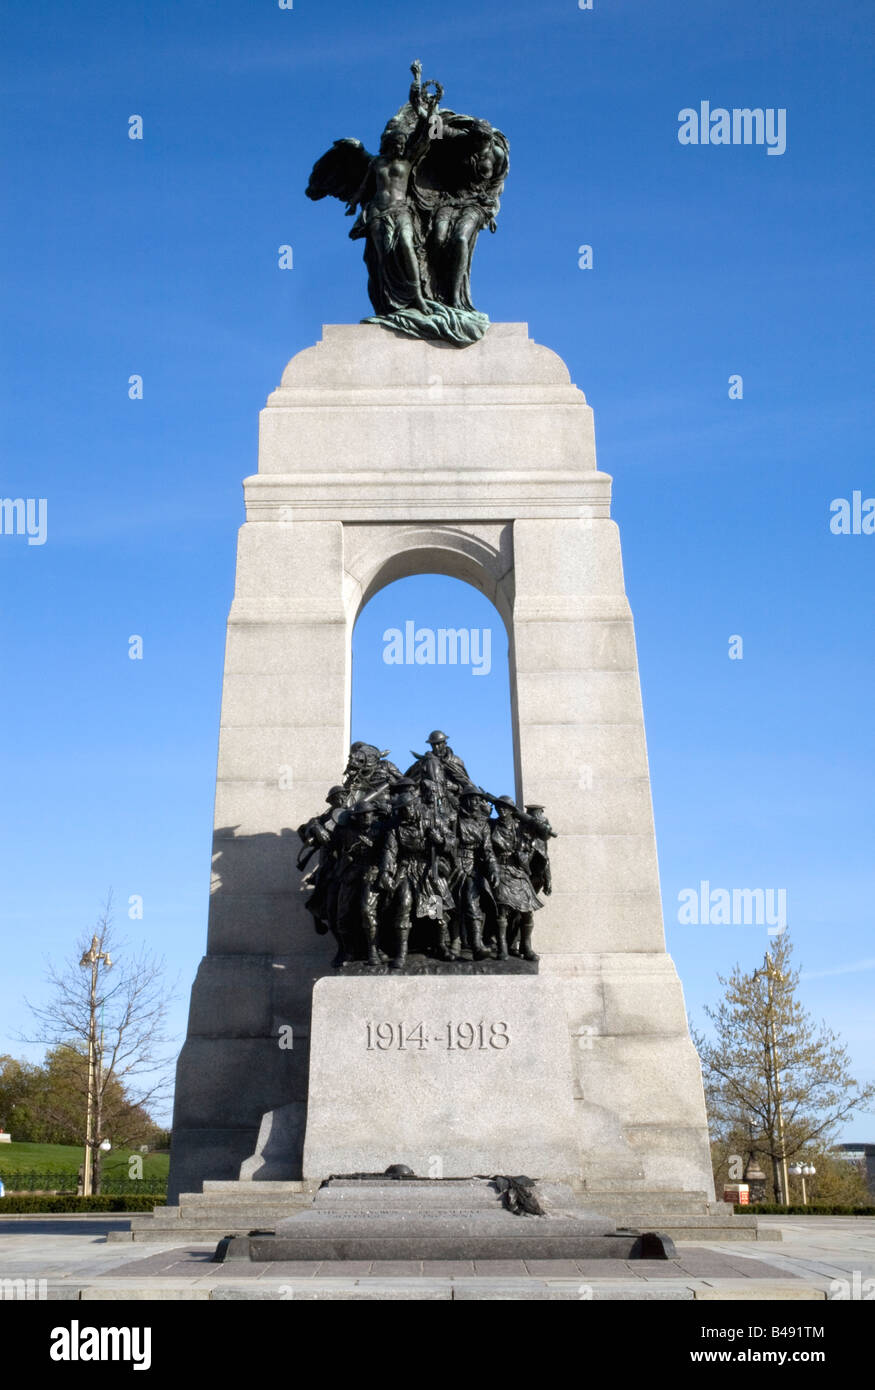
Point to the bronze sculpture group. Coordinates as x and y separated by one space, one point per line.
421 202
415 862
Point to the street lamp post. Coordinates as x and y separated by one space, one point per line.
92 960
771 974
808 1171
803 1171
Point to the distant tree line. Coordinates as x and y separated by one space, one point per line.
43 1104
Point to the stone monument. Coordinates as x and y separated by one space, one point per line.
426 440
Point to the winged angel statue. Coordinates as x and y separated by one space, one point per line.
421 203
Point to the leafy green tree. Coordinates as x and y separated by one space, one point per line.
44 1104
64 1095
21 1085
760 1019
836 1182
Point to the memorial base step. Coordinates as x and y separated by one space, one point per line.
375 1218
237 1208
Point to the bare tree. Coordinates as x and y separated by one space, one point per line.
108 1013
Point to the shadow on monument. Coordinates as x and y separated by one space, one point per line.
242 1074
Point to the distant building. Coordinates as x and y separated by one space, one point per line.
864 1154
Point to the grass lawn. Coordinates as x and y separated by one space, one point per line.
65 1158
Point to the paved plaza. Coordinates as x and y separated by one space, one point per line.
63 1257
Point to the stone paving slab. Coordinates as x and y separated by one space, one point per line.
727 1290
461 1289
817 1249
157 1290
343 1290
197 1265
79 1264
530 1290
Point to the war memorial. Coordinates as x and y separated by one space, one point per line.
433 1018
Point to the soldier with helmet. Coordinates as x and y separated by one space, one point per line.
322 834
357 896
413 871
515 898
478 870
443 768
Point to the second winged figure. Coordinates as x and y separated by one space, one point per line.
420 205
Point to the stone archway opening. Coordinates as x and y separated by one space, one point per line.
479 557
431 651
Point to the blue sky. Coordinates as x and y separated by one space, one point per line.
159 257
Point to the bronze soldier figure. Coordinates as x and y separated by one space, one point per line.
536 831
368 771
515 898
322 834
479 873
358 852
316 833
415 880
443 768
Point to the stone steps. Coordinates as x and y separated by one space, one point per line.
682 1215
236 1208
465 1219
233 1188
448 1195
686 1202
223 1208
453 1219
